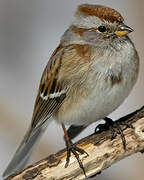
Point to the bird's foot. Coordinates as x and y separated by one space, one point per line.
115 128
72 148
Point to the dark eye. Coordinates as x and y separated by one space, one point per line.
102 28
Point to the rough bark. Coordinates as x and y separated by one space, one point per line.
103 152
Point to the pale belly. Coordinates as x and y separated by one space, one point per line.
103 100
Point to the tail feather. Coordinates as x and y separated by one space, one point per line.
24 151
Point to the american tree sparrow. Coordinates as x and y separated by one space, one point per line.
88 76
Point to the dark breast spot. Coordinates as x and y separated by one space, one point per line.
113 78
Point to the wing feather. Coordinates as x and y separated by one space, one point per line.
51 94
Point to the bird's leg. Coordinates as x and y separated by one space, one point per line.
73 131
115 128
72 148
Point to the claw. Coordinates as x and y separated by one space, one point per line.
120 131
74 149
115 128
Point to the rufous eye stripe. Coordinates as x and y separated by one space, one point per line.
78 31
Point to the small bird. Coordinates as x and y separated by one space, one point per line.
88 76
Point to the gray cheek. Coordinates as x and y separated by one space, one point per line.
92 36
97 39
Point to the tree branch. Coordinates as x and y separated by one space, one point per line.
103 152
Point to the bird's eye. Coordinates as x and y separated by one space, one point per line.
102 29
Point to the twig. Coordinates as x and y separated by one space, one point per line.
102 153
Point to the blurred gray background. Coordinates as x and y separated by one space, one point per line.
29 32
